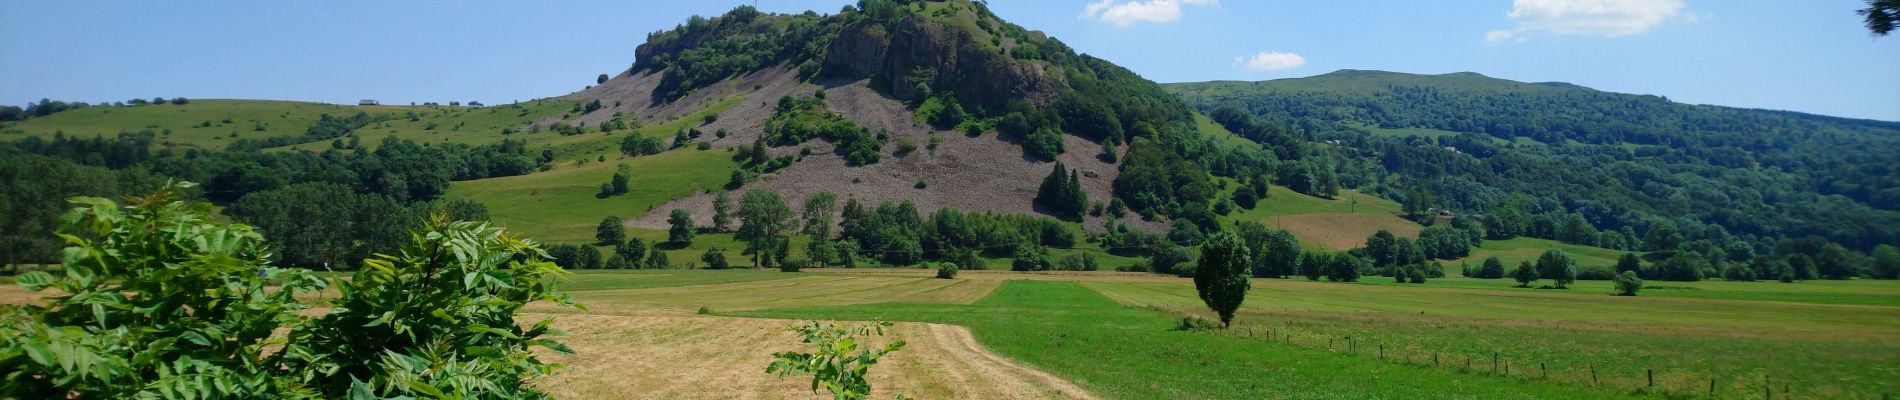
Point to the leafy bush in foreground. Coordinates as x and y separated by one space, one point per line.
833 365
161 302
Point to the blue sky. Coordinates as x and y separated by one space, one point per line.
1811 55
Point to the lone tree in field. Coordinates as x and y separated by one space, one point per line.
1627 284
610 231
680 228
1524 274
1557 266
1221 276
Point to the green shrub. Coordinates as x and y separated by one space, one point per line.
715 258
1196 323
832 365
947 271
1627 284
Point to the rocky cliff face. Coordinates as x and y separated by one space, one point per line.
919 57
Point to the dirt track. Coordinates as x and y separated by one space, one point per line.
677 356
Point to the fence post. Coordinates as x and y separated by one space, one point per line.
1652 376
1711 388
1507 367
1352 346
1494 361
1767 387
1329 343
1382 351
1434 358
1545 369
1593 376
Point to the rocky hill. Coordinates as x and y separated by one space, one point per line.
937 80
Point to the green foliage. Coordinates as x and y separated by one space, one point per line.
1629 262
1061 193
764 220
680 230
1524 274
1077 262
1492 269
1029 258
841 360
1443 242
1627 284
346 228
704 51
640 145
1682 267
1588 160
36 190
947 271
797 120
1155 181
715 258
1170 259
611 231
1221 275
155 298
1886 262
1557 266
722 212
159 302
1044 143
631 253
437 319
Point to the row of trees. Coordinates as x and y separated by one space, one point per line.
369 196
1062 195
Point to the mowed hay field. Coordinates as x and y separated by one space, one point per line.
1340 231
640 338
1335 224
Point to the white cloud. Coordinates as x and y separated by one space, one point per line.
1606 18
1270 61
1123 13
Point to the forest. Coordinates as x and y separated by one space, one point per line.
1563 162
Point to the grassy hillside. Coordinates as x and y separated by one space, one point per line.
1519 249
241 119
560 205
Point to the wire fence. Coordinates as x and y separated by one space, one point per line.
1672 383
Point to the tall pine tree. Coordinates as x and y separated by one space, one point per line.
1061 193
